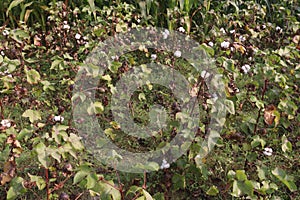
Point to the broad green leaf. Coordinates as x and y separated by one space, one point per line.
33 76
284 178
41 150
33 115
16 189
93 7
47 86
286 144
178 181
24 133
56 62
212 191
91 180
240 175
230 106
258 141
147 195
40 182
79 176
115 66
98 107
13 4
75 141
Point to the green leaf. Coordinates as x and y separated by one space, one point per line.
91 180
75 141
16 188
178 181
32 115
33 76
93 7
24 133
256 141
240 175
147 195
115 66
229 106
212 191
47 86
56 62
79 176
285 179
42 154
40 182
13 4
286 144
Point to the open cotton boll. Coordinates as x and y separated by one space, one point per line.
181 29
268 151
164 164
225 44
246 68
58 118
177 54
6 123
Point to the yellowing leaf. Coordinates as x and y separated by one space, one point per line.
32 115
271 115
33 76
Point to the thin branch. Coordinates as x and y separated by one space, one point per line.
262 98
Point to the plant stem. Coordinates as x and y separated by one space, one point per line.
262 98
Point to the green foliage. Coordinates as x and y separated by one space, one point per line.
43 46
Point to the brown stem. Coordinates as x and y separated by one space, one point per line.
262 98
120 186
47 183
1 110
145 180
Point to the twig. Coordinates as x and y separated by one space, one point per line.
79 196
145 180
47 183
262 98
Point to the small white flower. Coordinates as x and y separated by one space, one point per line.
232 31
225 44
232 49
77 36
5 32
2 53
181 29
153 56
279 29
58 118
263 26
66 26
138 20
246 68
85 38
9 75
166 33
250 58
223 30
164 164
268 151
211 44
177 54
205 74
242 38
6 123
